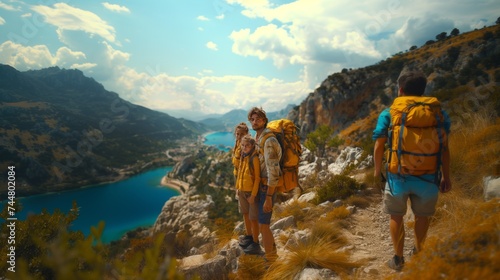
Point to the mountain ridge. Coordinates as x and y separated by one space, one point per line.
62 129
350 100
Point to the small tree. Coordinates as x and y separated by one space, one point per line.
318 140
455 32
413 48
441 36
498 20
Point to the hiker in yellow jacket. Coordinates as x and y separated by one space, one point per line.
239 131
247 187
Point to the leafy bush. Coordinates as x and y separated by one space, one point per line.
337 187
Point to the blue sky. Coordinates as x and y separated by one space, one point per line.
212 56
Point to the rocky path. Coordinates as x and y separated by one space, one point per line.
370 240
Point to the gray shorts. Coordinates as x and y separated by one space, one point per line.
423 196
247 208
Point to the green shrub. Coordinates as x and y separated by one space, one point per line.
338 187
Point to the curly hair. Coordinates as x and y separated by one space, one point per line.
260 113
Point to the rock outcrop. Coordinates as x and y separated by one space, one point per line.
188 214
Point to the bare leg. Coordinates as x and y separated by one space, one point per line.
421 227
255 230
397 234
268 242
248 224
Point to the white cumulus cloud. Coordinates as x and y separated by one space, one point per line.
211 45
66 17
116 8
38 56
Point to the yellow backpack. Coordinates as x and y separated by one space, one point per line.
416 136
285 132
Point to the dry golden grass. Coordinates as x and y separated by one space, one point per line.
316 252
358 126
338 213
249 267
294 208
331 232
225 233
468 249
439 48
475 153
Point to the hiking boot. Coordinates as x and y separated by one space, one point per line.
396 263
245 241
253 249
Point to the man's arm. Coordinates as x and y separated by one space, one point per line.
272 155
378 155
445 185
380 137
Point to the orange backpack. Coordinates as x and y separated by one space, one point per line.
416 136
285 132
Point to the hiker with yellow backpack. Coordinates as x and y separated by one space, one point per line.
278 148
247 187
418 159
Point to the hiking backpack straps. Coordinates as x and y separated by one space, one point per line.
286 132
416 137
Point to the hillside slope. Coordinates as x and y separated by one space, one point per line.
61 130
459 67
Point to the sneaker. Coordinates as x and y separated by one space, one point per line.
245 241
396 263
253 249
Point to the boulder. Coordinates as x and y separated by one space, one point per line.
284 223
307 197
214 268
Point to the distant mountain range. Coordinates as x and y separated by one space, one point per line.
61 129
228 121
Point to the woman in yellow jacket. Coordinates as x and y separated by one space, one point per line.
247 186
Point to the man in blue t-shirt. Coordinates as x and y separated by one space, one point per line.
421 190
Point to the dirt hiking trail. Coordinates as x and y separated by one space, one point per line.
370 239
